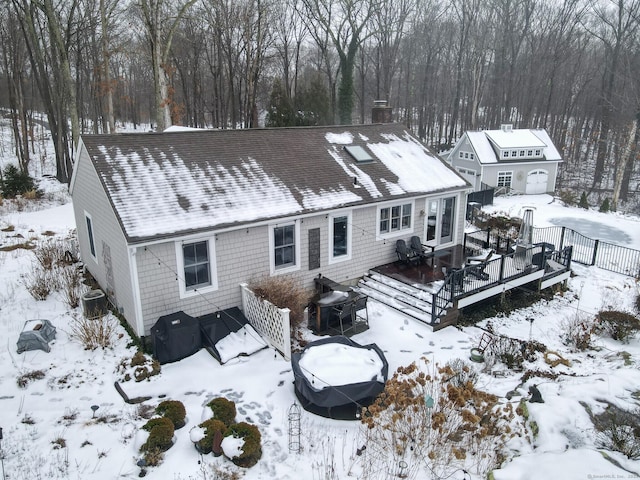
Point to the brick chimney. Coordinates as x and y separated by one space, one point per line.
381 112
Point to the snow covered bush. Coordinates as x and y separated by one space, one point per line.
223 410
618 430
463 372
242 444
578 331
72 287
39 282
173 410
432 424
621 326
97 333
212 439
55 269
160 439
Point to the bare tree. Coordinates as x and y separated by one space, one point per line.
345 22
161 19
108 9
615 24
289 32
49 58
14 61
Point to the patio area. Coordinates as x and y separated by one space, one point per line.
434 290
427 272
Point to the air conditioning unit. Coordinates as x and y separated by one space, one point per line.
94 304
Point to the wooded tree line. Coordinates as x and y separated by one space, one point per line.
445 66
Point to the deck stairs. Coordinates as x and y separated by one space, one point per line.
408 299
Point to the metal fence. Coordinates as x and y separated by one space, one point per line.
586 251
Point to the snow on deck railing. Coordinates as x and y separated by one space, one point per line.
272 322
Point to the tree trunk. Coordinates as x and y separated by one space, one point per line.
106 70
621 167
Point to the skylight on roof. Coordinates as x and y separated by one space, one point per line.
359 154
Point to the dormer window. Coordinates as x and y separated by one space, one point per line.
522 153
529 153
514 153
505 154
538 153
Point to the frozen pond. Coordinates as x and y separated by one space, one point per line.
595 230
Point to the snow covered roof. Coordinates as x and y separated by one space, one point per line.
487 143
171 183
514 138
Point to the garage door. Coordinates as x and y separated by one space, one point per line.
537 182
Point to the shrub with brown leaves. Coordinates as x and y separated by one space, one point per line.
283 292
434 425
98 333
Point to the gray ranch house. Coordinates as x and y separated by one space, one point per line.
178 220
518 160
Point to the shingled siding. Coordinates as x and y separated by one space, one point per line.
243 255
520 172
88 193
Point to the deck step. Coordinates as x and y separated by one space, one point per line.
396 305
415 299
407 299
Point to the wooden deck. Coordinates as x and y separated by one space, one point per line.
433 293
425 273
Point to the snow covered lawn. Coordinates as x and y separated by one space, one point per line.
51 431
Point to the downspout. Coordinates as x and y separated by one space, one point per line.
135 287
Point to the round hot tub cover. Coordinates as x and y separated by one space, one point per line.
339 401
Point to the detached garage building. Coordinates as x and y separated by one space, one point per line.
510 160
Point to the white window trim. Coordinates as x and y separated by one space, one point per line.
347 256
272 244
395 233
468 171
91 236
213 269
505 173
461 154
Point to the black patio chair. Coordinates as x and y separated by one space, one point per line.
405 254
423 251
360 313
344 314
477 264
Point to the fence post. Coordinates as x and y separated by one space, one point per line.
561 239
434 298
595 251
486 245
501 278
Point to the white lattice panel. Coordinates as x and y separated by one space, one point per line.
272 322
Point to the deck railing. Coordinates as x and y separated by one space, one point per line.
586 251
460 283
